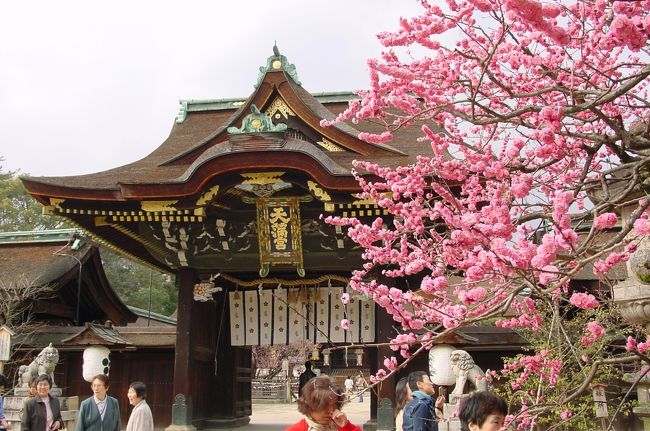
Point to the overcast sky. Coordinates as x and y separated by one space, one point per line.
86 85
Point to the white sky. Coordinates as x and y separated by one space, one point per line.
87 85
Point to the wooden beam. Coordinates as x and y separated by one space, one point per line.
54 309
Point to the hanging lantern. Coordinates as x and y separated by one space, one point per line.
441 371
359 353
326 357
314 353
96 361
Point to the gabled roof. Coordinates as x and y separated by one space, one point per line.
198 147
93 334
212 160
52 259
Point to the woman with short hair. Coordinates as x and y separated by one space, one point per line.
99 412
141 418
43 412
321 402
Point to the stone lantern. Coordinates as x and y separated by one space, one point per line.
633 299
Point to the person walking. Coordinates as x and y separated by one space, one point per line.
43 412
349 387
305 376
419 412
99 412
360 386
141 418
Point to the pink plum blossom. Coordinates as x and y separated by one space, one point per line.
642 226
517 135
586 301
606 220
593 333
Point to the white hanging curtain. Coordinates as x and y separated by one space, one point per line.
278 316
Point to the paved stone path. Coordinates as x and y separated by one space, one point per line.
276 417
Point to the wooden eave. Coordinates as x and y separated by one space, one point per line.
58 267
43 191
183 172
220 164
242 161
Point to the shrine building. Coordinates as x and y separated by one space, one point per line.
231 204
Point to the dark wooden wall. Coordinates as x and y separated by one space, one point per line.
154 368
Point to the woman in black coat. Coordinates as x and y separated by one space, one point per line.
43 412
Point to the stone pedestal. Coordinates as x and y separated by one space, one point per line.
181 428
385 415
643 395
449 425
633 299
24 392
181 415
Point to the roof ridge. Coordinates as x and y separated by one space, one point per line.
31 236
205 105
145 313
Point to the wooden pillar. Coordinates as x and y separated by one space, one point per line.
212 376
182 413
185 280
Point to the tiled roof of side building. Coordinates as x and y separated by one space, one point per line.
146 314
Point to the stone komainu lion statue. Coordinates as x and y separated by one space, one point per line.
465 369
43 364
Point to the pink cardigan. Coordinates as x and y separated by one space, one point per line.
302 426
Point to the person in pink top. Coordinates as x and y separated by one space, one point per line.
321 402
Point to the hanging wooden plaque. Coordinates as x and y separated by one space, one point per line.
280 240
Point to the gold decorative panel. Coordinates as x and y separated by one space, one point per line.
280 109
329 145
207 196
279 234
262 178
320 194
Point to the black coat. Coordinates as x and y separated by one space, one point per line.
35 414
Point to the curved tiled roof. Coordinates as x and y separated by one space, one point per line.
201 137
50 258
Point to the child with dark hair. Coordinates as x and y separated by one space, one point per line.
321 402
482 411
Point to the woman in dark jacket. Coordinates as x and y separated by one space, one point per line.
43 412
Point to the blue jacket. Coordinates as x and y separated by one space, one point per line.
419 414
90 420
